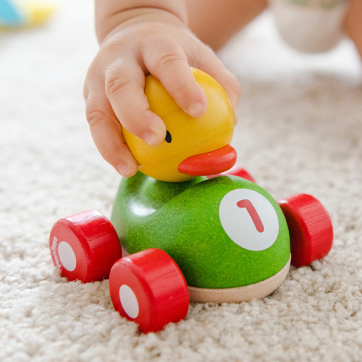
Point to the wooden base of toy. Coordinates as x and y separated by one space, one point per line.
240 294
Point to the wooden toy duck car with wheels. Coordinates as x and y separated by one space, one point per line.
184 235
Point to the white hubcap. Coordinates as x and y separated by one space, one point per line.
129 301
67 256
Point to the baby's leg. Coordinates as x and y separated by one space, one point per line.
216 21
353 24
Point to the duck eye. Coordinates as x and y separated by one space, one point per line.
168 138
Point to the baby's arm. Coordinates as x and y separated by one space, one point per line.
221 19
353 24
139 37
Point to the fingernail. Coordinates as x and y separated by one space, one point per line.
124 169
197 109
150 138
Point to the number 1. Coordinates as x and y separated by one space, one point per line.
253 214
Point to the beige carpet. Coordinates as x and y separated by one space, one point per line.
300 130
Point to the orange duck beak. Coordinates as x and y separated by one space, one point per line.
209 163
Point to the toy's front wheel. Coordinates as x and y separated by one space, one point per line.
84 246
149 288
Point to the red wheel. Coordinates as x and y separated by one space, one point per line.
149 288
310 228
236 171
84 246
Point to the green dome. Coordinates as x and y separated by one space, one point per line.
224 232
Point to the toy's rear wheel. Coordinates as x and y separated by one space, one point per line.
84 246
236 171
149 288
310 228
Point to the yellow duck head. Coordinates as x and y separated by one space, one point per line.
193 146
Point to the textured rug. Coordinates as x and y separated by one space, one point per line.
300 130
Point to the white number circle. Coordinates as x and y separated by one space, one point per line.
249 219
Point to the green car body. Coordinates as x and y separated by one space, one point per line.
184 220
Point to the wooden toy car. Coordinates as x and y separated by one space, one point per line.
185 236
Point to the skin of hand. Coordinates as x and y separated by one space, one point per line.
146 40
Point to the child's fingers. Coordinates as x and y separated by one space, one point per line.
167 61
107 132
210 63
124 86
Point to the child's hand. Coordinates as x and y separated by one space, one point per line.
160 44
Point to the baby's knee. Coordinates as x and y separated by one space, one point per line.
310 25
